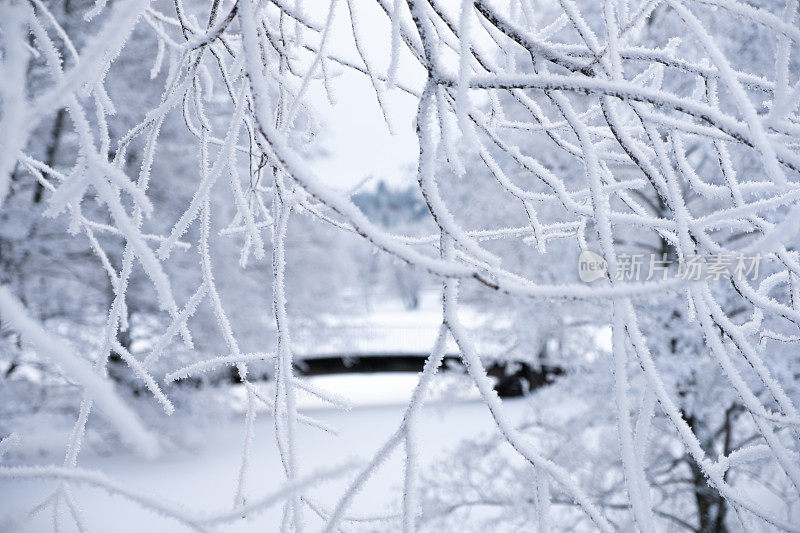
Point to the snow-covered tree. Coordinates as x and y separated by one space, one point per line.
545 130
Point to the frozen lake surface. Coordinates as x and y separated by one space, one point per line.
202 472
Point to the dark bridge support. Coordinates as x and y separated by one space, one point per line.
513 378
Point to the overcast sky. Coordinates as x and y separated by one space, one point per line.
356 139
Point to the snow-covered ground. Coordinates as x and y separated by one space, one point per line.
389 328
202 472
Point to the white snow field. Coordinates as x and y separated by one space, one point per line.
202 474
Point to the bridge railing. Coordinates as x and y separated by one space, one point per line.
374 341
